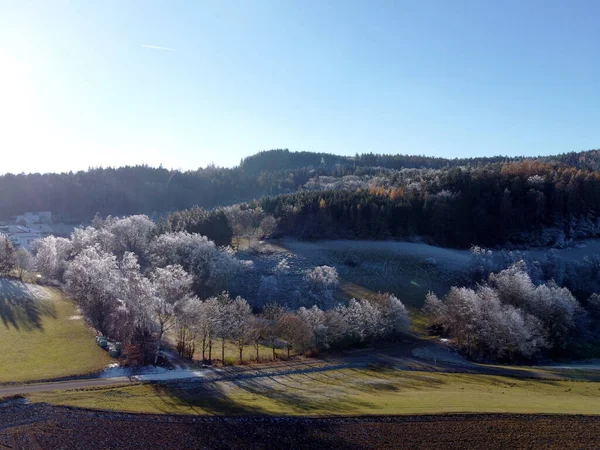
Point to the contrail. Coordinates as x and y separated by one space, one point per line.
159 48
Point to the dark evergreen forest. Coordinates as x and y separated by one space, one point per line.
450 202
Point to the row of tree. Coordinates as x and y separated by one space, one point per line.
220 319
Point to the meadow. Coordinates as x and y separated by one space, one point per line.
348 391
42 336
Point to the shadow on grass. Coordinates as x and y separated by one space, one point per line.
21 308
271 431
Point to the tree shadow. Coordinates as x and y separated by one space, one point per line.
21 307
252 425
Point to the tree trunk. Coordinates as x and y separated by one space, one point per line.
241 351
157 352
210 351
203 350
256 352
158 345
288 349
223 351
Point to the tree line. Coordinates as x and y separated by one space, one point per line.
78 196
521 202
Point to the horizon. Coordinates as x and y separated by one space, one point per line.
174 169
183 86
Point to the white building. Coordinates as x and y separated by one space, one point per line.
21 236
30 218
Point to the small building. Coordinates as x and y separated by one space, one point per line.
30 218
20 236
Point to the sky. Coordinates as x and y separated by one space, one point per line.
189 83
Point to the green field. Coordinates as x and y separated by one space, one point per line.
42 336
345 392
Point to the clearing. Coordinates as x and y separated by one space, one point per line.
42 336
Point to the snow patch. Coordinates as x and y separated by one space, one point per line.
170 375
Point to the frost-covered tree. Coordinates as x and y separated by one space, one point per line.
224 326
395 318
240 320
508 319
514 284
102 238
364 320
554 306
137 293
24 261
557 310
434 309
316 321
207 325
189 315
51 256
131 234
211 267
322 282
483 327
93 279
171 287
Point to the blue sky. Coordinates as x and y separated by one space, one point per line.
80 85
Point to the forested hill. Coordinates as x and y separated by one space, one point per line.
274 160
78 196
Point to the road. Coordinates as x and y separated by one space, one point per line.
398 357
20 389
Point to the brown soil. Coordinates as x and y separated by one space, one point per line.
27 426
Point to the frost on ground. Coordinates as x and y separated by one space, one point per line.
150 373
16 289
406 269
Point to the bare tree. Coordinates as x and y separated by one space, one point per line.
295 332
272 313
24 261
258 332
240 315
172 285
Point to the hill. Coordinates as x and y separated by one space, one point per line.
78 196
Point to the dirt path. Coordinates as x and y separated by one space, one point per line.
21 389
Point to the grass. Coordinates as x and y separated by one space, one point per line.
41 336
345 392
232 353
